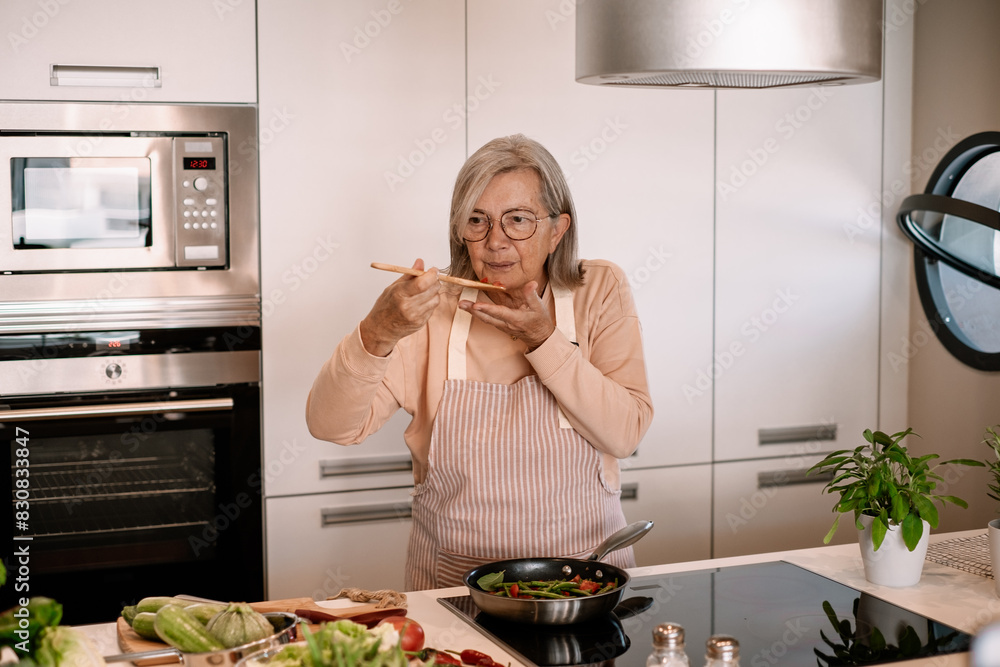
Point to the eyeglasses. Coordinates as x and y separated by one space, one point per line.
518 225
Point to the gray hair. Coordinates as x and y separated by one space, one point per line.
500 156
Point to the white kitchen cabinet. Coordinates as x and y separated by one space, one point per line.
640 167
797 269
771 505
679 502
360 141
121 51
319 544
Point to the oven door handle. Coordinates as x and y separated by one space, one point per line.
120 409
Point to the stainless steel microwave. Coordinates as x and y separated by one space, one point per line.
136 202
159 193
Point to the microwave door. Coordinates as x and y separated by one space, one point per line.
87 203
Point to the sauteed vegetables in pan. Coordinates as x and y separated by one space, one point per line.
552 588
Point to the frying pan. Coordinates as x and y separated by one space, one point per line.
541 611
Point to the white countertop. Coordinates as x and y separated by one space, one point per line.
948 595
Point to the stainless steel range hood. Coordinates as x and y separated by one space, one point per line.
728 43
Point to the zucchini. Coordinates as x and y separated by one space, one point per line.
129 612
154 603
175 626
204 611
144 625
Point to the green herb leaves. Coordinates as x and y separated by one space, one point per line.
490 582
992 441
882 480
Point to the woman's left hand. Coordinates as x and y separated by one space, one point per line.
525 318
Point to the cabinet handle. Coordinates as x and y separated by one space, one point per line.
790 477
99 75
630 491
787 434
365 466
337 516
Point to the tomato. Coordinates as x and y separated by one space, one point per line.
514 591
411 635
589 585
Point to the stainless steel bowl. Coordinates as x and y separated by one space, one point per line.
285 624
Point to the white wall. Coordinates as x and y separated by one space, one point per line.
956 93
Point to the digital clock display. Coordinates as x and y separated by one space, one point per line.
110 344
199 163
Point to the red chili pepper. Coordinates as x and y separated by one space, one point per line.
475 658
442 658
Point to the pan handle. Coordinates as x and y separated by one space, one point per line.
146 655
630 534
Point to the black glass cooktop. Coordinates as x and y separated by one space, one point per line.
780 613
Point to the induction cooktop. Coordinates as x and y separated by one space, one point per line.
780 613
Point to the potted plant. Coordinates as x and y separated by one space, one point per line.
891 495
992 441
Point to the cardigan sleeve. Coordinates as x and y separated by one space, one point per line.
354 394
600 384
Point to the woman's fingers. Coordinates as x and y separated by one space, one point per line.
525 320
402 309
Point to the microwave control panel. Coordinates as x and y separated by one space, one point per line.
201 206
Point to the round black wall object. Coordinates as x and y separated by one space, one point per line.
955 228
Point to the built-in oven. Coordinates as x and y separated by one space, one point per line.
135 459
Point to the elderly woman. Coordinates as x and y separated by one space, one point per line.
522 400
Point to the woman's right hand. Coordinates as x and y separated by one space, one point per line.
402 309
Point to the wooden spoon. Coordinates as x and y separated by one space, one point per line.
441 276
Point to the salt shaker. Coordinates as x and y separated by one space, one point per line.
668 647
722 651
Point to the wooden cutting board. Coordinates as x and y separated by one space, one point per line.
130 642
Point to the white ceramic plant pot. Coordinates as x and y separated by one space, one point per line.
893 564
993 531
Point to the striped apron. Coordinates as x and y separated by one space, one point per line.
507 476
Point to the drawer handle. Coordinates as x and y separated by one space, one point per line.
338 516
790 477
365 466
630 491
787 434
98 75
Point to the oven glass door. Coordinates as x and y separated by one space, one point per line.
124 504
